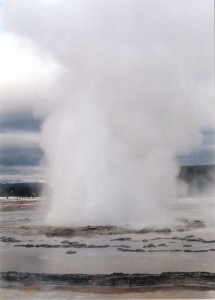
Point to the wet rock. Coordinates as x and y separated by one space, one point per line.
162 245
196 251
199 251
70 245
89 228
139 250
179 238
62 245
181 229
163 230
198 223
196 240
65 242
6 239
194 224
130 250
38 246
150 246
164 250
124 249
60 232
146 230
200 240
194 279
160 250
121 239
85 231
208 242
122 246
187 246
98 246
71 252
77 245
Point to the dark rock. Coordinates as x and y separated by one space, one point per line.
150 246
139 250
160 250
121 239
6 239
200 240
146 230
183 279
71 252
70 245
196 251
163 230
84 231
194 224
98 246
124 250
77 245
60 232
162 245
63 244
38 246
179 238
130 250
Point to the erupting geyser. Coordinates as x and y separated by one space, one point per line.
130 98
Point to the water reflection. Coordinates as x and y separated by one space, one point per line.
62 294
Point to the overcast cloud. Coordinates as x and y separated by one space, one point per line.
26 80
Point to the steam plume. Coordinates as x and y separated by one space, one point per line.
134 91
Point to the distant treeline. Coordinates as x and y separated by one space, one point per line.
33 189
198 178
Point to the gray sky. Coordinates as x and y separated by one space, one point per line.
36 38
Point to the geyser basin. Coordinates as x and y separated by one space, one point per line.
132 90
29 246
94 261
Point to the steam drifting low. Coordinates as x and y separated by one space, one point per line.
134 89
